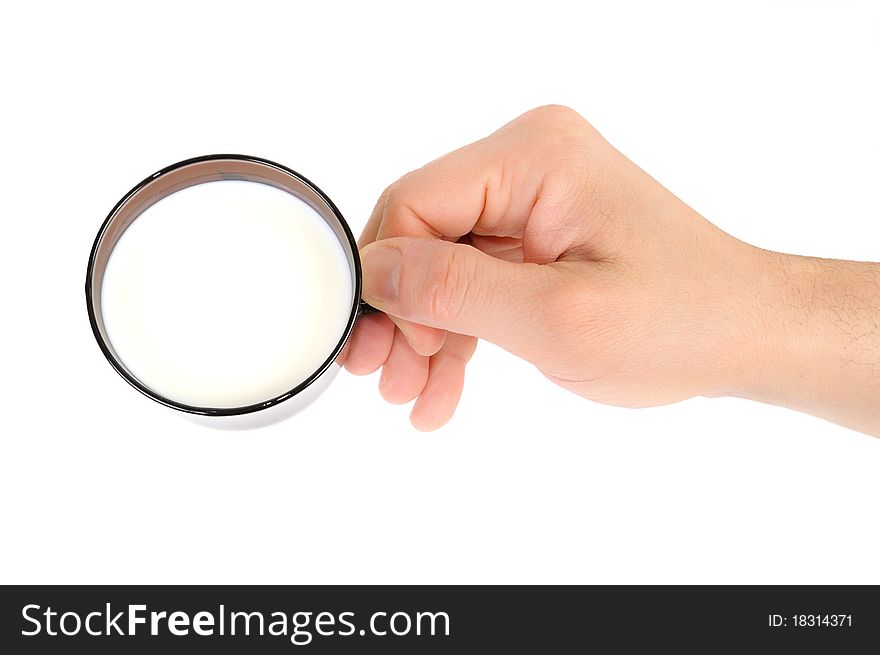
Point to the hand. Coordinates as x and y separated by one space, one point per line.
545 240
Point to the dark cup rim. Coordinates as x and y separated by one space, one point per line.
224 411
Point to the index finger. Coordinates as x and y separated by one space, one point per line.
372 227
443 200
488 187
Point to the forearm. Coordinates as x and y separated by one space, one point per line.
816 346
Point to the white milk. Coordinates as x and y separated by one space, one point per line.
226 294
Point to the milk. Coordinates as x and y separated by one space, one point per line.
226 294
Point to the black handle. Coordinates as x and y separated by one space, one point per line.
364 308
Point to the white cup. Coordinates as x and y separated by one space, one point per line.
201 170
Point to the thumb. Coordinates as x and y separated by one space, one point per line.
456 287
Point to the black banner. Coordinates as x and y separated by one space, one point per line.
446 619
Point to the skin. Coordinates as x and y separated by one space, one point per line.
545 240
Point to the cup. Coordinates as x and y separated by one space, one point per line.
208 170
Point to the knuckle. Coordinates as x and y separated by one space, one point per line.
391 195
451 283
557 111
555 116
401 213
399 191
565 137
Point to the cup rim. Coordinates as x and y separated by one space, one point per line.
245 409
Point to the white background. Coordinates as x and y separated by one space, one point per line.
763 116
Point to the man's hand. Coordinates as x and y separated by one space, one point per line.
546 240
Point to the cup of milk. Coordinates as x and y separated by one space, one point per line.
225 287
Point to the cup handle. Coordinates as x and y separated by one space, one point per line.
365 308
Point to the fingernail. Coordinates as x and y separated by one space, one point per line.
381 266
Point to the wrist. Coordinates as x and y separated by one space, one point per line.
769 340
807 337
